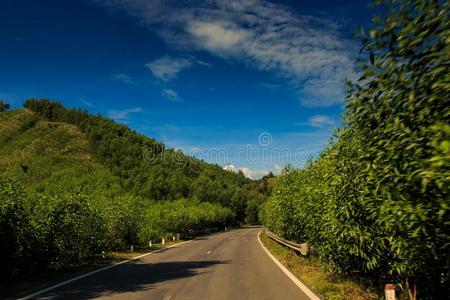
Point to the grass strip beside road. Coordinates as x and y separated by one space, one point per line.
308 271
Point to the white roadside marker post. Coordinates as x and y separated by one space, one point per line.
389 291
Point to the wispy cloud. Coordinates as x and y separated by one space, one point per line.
86 102
122 77
306 50
122 115
171 95
270 86
321 121
166 68
195 149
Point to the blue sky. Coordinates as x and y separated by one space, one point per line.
247 84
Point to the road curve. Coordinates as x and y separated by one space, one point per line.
229 265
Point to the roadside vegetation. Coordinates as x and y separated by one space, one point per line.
73 185
40 232
375 204
308 270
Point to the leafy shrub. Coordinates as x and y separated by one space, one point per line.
76 229
15 230
123 217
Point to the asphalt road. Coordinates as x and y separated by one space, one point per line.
229 265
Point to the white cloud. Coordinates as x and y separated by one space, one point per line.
230 168
171 95
250 173
166 68
216 36
123 78
87 103
306 50
122 115
278 169
195 149
203 63
321 121
273 87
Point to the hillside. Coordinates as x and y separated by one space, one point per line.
73 185
50 157
51 149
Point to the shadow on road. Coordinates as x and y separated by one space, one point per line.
130 277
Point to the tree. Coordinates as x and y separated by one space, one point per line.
4 106
376 201
400 108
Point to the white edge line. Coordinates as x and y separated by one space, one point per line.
35 294
297 282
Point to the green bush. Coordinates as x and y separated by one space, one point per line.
39 232
123 217
76 229
15 230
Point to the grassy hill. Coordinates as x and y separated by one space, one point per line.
50 157
51 149
73 185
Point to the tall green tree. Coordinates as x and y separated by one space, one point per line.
401 108
376 202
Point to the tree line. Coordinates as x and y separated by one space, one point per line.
40 232
375 204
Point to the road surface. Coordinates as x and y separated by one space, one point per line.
229 265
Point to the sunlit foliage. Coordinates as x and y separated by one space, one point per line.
376 202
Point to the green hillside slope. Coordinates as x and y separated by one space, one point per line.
50 157
52 149
73 185
144 166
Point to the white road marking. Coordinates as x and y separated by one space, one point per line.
297 282
94 272
209 252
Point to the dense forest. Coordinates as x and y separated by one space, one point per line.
73 185
376 203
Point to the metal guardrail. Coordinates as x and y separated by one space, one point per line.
302 248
